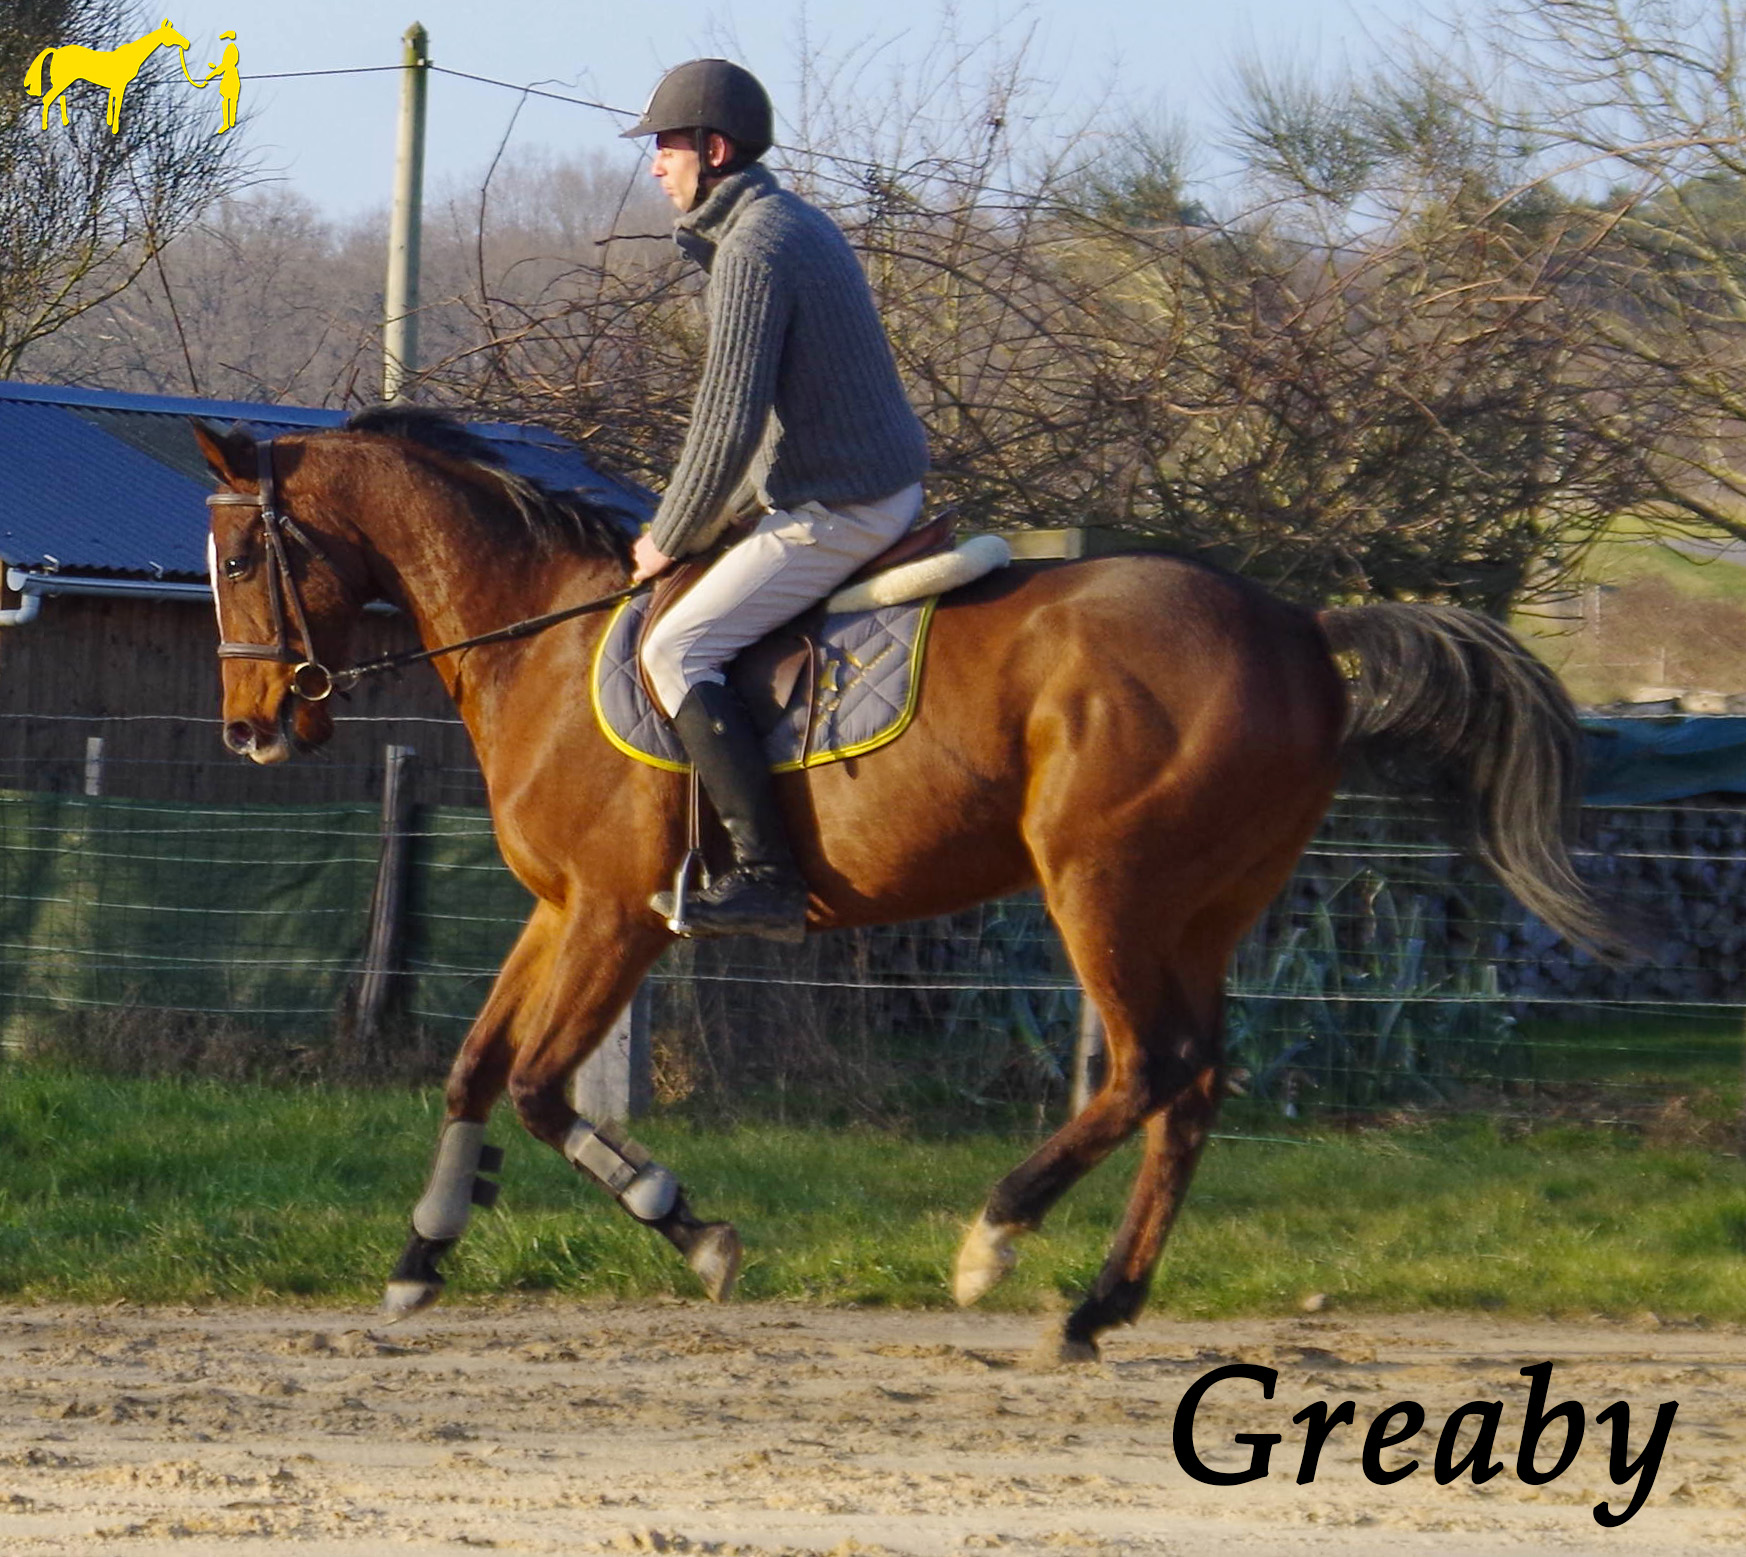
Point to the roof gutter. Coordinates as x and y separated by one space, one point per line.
33 586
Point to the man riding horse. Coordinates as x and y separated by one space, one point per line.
800 419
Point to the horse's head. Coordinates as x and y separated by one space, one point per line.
289 580
168 37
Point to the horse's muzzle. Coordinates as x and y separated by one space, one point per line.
264 747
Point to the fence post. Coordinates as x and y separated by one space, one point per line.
617 1079
388 902
1087 1054
93 764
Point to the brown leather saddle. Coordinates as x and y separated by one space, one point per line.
767 673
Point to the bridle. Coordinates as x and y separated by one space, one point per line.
310 679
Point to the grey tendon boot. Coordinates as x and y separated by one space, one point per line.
763 893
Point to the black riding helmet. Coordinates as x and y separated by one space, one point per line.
711 94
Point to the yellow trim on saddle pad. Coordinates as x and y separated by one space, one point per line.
912 700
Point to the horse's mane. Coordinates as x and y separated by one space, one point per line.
547 518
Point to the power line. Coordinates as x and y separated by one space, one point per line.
286 75
441 70
584 102
533 91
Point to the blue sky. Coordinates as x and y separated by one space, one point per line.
332 138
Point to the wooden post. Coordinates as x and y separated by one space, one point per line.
617 1079
1087 1054
93 764
388 903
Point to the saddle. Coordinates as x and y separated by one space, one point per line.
766 674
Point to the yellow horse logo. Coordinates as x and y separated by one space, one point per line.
112 68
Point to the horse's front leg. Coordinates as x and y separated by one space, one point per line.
476 1081
596 967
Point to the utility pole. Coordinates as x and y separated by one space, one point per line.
400 298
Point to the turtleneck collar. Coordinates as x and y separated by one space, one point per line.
700 232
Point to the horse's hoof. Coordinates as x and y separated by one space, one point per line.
984 1260
403 1299
1055 1350
715 1257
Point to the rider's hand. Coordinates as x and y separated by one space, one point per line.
647 559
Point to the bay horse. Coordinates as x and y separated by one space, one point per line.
1150 740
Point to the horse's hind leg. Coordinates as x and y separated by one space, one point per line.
476 1081
1174 1138
1136 1085
1160 991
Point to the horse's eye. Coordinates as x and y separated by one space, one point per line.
236 567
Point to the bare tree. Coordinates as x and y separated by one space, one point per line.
261 299
1649 97
1425 352
83 212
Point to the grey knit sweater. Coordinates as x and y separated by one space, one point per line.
799 394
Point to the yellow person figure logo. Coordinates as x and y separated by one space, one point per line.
229 79
112 68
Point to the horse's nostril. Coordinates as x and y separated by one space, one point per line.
239 736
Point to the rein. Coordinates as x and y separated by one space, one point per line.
310 679
526 628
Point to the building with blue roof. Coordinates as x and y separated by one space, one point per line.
106 626
103 484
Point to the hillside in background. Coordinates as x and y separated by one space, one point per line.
1651 624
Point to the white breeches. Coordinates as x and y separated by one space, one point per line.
790 562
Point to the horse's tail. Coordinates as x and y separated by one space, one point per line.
1448 699
33 76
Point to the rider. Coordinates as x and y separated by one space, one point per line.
800 418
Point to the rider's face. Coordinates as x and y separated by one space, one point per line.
676 167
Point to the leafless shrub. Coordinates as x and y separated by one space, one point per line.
84 213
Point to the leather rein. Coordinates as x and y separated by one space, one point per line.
310 679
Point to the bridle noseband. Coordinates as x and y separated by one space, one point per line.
310 679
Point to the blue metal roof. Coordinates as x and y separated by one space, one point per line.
103 482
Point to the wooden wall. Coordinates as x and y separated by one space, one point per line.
143 676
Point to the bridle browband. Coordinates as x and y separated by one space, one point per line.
310 679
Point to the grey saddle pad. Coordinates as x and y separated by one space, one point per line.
863 694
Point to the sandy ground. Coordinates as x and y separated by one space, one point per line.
772 1430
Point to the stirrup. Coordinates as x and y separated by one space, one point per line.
673 906
712 912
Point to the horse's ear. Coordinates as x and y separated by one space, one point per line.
229 451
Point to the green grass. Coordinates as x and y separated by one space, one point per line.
1676 1053
1624 556
162 1192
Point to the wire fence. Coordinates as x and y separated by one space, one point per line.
1391 975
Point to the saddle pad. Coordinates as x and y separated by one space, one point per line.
868 683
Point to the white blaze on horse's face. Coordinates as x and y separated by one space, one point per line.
212 577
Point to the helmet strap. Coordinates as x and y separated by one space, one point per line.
708 176
700 140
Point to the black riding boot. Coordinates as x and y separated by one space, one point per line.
763 893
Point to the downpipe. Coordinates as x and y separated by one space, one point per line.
22 614
29 602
